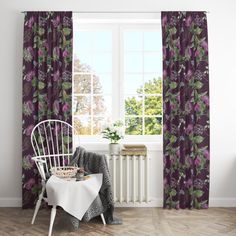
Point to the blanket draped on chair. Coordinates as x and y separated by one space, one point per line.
104 203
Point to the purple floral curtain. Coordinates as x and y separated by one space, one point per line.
185 110
47 83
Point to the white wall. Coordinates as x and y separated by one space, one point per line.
222 43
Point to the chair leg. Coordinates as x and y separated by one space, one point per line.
52 218
38 204
103 219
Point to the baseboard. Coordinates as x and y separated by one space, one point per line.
10 202
158 202
222 202
154 202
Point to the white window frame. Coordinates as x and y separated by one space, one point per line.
117 26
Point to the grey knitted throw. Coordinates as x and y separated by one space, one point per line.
96 163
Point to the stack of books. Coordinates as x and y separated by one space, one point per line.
134 150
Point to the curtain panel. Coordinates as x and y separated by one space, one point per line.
47 84
185 110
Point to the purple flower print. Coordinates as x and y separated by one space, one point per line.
29 184
189 129
172 105
57 129
205 99
30 50
188 21
197 107
45 44
188 106
40 52
177 43
204 206
189 52
29 76
189 75
27 163
189 161
56 107
56 75
164 74
196 54
28 108
178 98
56 21
164 127
197 161
65 53
28 54
41 105
204 44
164 21
65 107
30 22
178 153
189 183
177 206
165 182
29 129
164 52
206 154
56 52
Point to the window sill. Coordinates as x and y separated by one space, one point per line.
103 146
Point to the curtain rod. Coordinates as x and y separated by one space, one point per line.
114 12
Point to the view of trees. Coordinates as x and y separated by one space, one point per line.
142 112
83 104
148 103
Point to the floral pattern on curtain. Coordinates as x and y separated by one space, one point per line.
185 110
47 83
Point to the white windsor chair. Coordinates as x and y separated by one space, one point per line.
52 144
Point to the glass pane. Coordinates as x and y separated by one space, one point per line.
152 63
82 40
83 105
102 105
133 62
133 84
133 125
102 62
102 83
153 125
152 41
83 62
102 40
82 126
152 84
99 123
133 40
133 105
153 105
82 84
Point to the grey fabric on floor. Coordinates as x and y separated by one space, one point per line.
66 221
94 163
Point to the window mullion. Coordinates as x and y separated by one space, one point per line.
143 110
92 103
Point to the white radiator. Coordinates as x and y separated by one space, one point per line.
130 178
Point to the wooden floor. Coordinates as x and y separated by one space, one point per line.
136 221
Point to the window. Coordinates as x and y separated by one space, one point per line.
117 75
92 80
